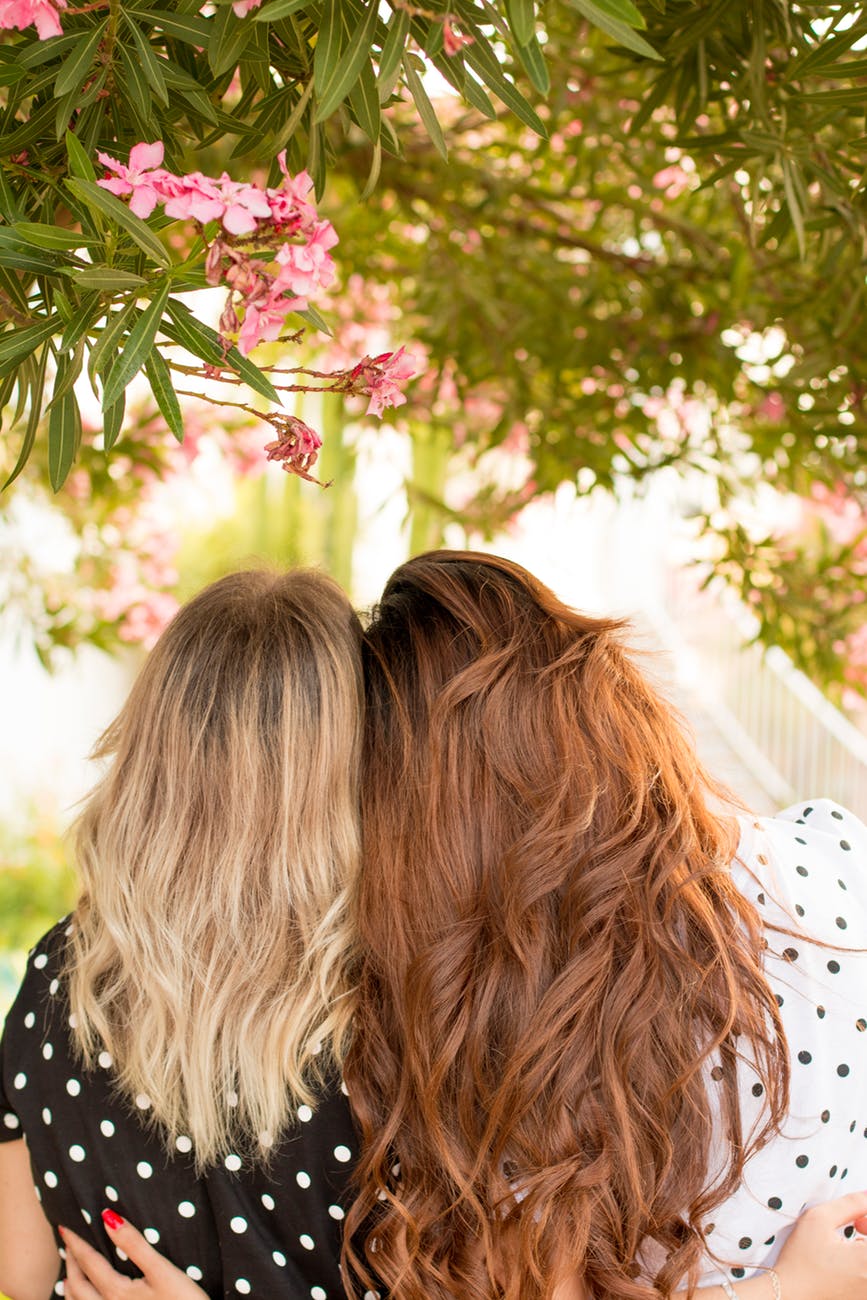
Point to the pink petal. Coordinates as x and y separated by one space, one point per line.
143 157
143 201
116 185
238 221
47 22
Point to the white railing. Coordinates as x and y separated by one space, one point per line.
789 736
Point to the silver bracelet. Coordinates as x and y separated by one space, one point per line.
729 1289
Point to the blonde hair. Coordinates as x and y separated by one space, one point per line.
211 949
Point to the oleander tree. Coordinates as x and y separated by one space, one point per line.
622 237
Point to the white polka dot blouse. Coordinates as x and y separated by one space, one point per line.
806 871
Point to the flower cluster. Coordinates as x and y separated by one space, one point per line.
270 250
380 378
45 14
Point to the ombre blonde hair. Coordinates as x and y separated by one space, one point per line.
211 950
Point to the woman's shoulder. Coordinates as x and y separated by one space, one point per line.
807 866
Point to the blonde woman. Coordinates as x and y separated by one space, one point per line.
173 1054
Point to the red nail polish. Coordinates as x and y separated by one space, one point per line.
61 1230
111 1220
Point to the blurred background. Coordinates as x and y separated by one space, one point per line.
639 374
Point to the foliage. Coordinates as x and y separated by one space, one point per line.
294 76
37 885
645 253
640 293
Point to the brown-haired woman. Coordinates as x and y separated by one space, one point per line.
594 1037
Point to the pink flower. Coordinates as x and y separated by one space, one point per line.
674 180
244 204
380 377
244 7
772 408
143 622
141 178
289 205
304 268
193 197
296 448
261 325
19 14
453 41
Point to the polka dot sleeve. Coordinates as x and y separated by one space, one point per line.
10 1122
23 1010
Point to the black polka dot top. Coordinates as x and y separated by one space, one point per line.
804 870
238 1231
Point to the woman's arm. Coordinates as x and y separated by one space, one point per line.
29 1262
816 1263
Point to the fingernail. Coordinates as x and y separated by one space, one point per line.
61 1230
111 1220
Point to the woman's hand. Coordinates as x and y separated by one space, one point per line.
816 1263
89 1276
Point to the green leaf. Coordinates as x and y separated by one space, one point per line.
9 204
344 74
481 57
82 321
14 253
10 73
373 174
277 9
112 422
36 388
17 343
64 430
793 202
624 35
149 61
314 318
205 343
106 279
392 52
39 52
424 106
96 197
116 324
30 131
624 11
71 372
230 36
12 285
163 389
364 102
137 93
189 28
79 164
198 339
200 103
45 236
328 43
137 346
316 158
534 62
522 20
289 127
78 63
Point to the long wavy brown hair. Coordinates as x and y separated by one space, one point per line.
558 976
